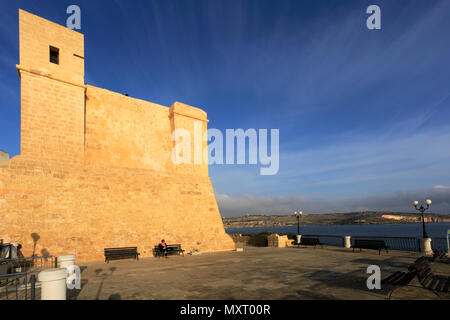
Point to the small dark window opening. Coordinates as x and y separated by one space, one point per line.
54 55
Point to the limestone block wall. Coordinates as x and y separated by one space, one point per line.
194 122
275 240
256 240
122 131
82 209
52 118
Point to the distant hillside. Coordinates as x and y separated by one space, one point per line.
368 217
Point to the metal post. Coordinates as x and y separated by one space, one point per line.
56 262
448 243
6 288
33 286
17 288
422 210
26 287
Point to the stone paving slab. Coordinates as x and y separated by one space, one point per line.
256 273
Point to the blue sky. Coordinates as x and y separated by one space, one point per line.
363 114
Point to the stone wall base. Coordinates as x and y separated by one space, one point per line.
58 207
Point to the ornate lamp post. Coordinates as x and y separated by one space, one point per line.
298 215
426 242
422 209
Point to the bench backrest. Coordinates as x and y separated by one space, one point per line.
422 268
369 243
121 250
175 246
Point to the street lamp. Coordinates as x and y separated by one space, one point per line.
298 215
422 209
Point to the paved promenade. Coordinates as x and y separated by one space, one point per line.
256 273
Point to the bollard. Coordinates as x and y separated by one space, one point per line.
347 243
53 284
299 237
66 260
426 246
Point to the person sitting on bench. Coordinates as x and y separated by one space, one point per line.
163 248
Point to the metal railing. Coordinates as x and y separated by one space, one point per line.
439 243
329 240
18 286
30 264
395 243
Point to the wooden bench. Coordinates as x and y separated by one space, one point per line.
121 253
427 278
440 255
310 242
399 278
171 250
369 244
420 268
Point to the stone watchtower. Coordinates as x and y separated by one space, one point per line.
96 167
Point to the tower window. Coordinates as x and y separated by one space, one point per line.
54 55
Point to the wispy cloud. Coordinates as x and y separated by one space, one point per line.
387 162
285 205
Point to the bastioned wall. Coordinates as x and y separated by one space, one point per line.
96 167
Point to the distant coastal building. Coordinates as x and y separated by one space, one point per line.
4 156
